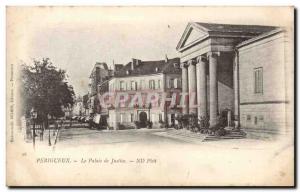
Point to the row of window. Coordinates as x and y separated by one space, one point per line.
176 83
133 85
152 84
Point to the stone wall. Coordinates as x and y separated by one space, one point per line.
264 110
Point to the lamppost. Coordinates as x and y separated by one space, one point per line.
166 114
149 107
33 114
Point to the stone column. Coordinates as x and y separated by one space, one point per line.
201 87
213 87
236 92
192 86
185 88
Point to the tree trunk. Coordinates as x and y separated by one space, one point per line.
33 138
47 126
42 126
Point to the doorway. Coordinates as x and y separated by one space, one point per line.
143 119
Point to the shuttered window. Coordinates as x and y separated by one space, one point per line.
258 80
122 85
159 84
171 83
151 84
133 85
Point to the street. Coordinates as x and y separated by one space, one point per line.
84 136
87 138
125 149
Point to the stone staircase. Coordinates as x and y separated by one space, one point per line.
230 135
192 137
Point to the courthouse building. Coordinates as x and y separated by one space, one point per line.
145 78
242 68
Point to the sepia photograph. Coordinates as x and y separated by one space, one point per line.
151 96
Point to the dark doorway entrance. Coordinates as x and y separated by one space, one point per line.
103 120
172 120
143 119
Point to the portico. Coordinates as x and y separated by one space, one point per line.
196 86
209 72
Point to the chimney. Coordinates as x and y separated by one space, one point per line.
133 64
166 59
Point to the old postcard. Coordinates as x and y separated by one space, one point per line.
150 96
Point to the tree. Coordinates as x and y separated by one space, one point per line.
45 90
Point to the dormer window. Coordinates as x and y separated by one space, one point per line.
127 72
156 69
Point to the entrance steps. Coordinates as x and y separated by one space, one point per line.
230 135
193 137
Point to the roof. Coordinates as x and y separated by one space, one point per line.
210 30
150 67
262 36
230 28
118 66
100 66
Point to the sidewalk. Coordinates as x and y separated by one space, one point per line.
192 137
133 130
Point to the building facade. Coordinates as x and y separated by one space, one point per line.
264 68
78 108
99 74
144 79
86 104
236 68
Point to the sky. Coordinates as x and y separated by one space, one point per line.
75 38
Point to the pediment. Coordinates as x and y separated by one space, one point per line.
191 35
